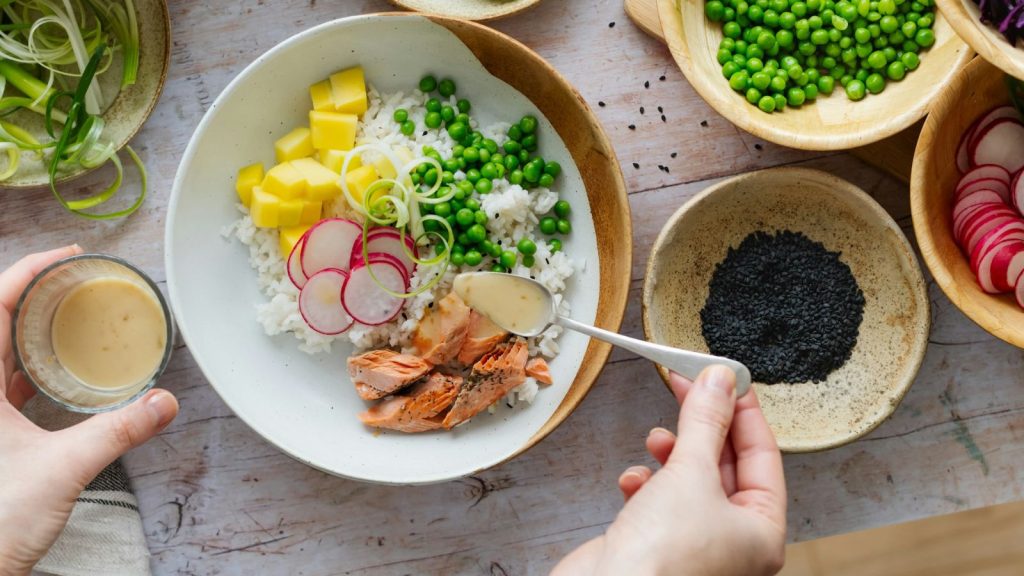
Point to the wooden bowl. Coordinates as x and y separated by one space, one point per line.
306 405
479 10
986 40
831 123
975 90
858 396
127 113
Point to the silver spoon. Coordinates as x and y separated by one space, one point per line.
526 307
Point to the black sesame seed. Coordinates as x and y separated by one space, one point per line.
647 84
641 110
611 24
662 77
600 103
703 123
674 154
758 147
660 109
663 118
636 165
785 306
632 126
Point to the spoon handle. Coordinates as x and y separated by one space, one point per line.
684 362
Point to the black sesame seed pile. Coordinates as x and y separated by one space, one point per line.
784 306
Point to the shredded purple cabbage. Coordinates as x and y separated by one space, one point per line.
1007 15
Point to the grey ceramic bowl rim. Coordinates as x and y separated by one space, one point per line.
165 308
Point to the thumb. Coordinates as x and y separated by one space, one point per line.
705 417
92 445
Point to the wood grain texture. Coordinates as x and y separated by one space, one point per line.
984 39
979 88
481 10
216 499
832 123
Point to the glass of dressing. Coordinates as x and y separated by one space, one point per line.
92 332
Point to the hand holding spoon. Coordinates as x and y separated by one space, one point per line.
526 307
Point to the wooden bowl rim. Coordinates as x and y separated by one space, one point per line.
141 118
922 167
496 13
854 195
1002 54
670 14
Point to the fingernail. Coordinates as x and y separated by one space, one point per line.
634 471
720 378
659 431
163 406
75 248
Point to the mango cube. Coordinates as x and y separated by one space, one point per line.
321 182
320 94
359 180
248 177
348 89
384 166
289 237
295 144
312 212
265 208
290 212
284 181
335 159
333 130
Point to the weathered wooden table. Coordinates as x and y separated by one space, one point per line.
216 499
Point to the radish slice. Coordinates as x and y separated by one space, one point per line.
974 199
1007 266
972 216
998 186
990 117
1017 189
1020 291
365 300
983 172
1003 233
320 302
978 232
387 241
329 245
295 273
986 270
1001 143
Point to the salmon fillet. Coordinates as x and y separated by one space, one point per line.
381 372
494 376
482 336
418 410
538 369
442 331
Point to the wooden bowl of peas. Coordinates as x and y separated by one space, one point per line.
815 74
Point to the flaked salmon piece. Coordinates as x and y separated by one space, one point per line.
441 332
381 372
537 369
494 376
482 337
419 409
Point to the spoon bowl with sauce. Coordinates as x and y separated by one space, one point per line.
92 333
526 308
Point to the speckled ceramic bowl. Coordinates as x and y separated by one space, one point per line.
126 114
893 335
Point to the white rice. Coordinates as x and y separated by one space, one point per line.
513 214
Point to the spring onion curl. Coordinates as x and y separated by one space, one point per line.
13 158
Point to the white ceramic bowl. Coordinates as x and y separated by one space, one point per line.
306 405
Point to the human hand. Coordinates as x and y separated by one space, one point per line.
717 507
42 473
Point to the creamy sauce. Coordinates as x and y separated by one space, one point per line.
514 303
109 333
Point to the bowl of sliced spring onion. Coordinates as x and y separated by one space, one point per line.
78 78
815 74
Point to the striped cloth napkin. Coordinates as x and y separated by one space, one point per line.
104 535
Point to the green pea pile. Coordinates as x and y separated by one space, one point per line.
788 52
483 161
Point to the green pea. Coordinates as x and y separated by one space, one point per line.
430 178
428 83
875 83
480 217
910 60
784 38
499 268
754 65
799 9
526 247
531 172
890 54
463 105
443 209
471 154
528 124
862 74
524 156
796 97
555 244
714 10
515 177
723 56
564 227
486 246
433 120
456 206
911 46
753 95
447 177
766 40
846 11
431 225
780 101
447 114
507 259
739 81
811 91
731 30
433 105
924 37
529 261
401 115
511 162
855 90
446 88
778 84
562 208
755 13
475 233
484 186
740 60
771 18
464 217
473 257
815 22
457 258
877 60
548 225
491 146
530 142
760 81
457 130
553 168
489 171
466 187
416 178
546 181
464 118
512 147
408 127
787 20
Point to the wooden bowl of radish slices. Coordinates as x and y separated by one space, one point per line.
967 197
